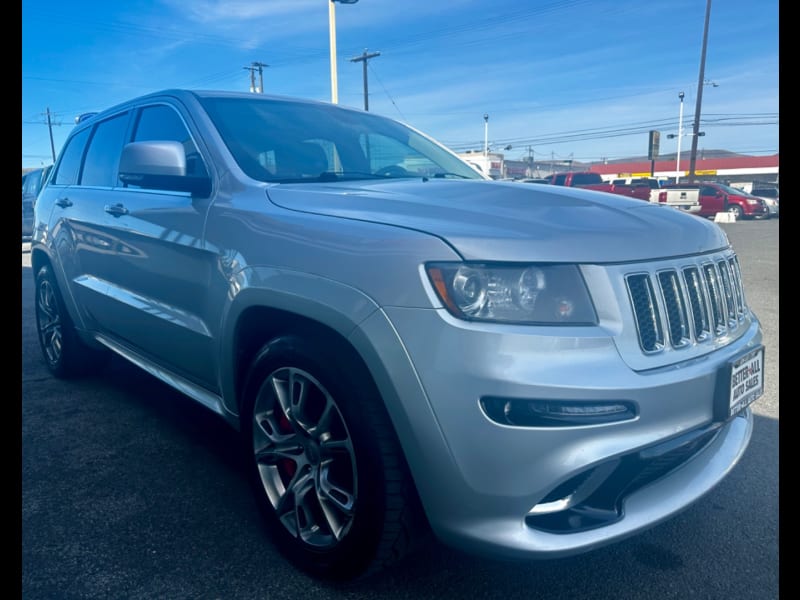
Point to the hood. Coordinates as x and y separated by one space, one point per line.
506 221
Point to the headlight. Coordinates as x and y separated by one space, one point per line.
526 294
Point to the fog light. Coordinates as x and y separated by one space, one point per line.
556 413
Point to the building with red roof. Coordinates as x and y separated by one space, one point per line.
709 165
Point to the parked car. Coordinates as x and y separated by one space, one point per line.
32 182
590 180
404 345
533 180
770 196
718 197
682 198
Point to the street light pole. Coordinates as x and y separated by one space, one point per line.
332 27
332 35
680 135
486 134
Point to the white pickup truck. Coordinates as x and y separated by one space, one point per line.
687 199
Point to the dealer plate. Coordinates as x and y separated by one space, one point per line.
746 380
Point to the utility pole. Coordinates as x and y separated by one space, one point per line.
260 66
700 80
256 66
530 161
50 128
252 78
364 58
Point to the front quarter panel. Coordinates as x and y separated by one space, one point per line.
331 271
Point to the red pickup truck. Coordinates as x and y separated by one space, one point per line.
593 181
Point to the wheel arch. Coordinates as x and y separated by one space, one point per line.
259 324
265 303
41 257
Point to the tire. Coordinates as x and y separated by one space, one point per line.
63 351
736 211
326 467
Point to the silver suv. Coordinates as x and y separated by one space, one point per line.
405 346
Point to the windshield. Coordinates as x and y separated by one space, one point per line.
765 192
732 190
285 141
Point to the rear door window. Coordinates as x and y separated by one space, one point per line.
71 158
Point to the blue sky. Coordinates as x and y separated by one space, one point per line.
580 79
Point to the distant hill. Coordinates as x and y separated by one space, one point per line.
701 154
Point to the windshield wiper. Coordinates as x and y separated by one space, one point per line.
446 174
355 175
330 176
347 175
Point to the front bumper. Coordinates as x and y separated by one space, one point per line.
522 492
669 488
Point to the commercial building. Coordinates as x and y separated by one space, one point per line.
710 165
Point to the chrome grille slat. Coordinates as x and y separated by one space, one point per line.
646 313
687 304
675 308
698 303
730 301
715 296
736 278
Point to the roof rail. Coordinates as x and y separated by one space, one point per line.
83 116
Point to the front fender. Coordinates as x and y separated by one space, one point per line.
332 304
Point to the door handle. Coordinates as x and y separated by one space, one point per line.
116 209
64 202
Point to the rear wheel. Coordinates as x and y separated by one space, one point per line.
63 351
325 464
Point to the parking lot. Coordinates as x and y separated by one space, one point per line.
131 491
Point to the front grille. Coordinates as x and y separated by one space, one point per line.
680 306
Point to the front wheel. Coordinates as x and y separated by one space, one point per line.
736 211
326 467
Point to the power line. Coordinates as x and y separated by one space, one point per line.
606 133
388 95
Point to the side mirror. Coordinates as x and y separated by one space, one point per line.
160 165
